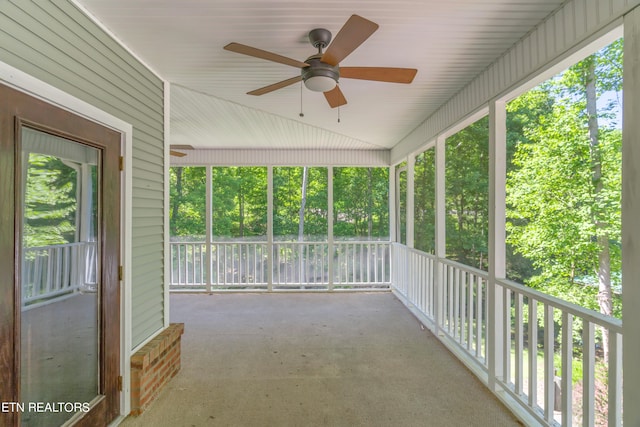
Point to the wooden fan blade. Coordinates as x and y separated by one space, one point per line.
352 34
263 54
177 153
335 98
380 74
181 147
275 86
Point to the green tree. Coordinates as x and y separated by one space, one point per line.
361 202
287 201
565 185
467 194
187 202
425 201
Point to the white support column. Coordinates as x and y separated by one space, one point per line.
330 226
269 228
497 195
411 162
209 226
630 223
392 204
440 226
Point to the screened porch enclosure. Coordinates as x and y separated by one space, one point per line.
446 224
517 340
274 228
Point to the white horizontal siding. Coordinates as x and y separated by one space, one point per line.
561 34
57 43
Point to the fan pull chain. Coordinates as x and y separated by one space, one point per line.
338 114
301 113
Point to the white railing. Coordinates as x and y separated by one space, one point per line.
556 331
361 264
453 301
281 265
51 271
465 308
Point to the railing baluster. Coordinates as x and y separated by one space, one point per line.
179 263
49 271
456 303
549 374
567 369
451 277
479 316
519 344
533 353
614 393
588 373
506 327
463 307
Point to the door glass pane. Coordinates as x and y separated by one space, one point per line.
59 369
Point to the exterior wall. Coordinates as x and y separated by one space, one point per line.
58 44
563 33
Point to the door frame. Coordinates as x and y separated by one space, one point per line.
21 81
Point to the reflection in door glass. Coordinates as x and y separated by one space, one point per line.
59 370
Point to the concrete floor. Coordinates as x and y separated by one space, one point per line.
296 359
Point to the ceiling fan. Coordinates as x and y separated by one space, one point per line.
320 72
174 147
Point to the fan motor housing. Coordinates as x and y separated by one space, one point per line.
319 38
319 68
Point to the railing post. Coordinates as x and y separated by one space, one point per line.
208 227
270 247
497 253
330 227
440 237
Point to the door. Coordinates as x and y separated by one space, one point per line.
59 258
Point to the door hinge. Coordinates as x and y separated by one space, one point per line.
121 163
119 382
120 273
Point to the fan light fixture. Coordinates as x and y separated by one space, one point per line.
320 83
319 76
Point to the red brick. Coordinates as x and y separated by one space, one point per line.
153 366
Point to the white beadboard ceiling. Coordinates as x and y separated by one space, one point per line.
449 42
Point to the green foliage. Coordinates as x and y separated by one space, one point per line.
563 192
239 201
401 214
424 201
467 194
287 199
187 201
361 202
